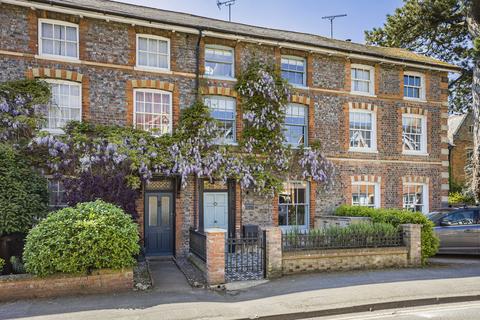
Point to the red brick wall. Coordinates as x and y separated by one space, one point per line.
26 287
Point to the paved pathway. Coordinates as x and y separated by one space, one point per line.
448 277
166 276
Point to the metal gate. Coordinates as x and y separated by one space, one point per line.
245 258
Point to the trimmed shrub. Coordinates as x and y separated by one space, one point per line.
458 198
396 217
2 264
91 235
23 193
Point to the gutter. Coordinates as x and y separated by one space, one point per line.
220 33
197 73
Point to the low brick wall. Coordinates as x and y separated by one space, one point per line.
26 286
343 259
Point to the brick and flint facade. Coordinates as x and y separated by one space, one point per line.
460 140
344 85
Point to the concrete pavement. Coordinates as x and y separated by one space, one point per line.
453 311
299 296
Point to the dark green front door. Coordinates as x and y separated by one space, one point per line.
159 223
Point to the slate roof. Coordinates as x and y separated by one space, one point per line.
193 21
454 123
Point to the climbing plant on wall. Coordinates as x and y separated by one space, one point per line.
261 161
20 102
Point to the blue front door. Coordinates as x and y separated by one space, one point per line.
215 210
159 223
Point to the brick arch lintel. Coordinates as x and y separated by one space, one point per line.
54 74
362 106
366 178
152 84
300 99
218 91
415 179
413 110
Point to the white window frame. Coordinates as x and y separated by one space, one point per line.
305 137
51 206
423 150
373 147
307 205
304 80
66 82
223 141
154 37
61 23
377 201
422 85
152 91
371 69
215 46
425 195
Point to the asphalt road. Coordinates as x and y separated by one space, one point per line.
455 311
446 276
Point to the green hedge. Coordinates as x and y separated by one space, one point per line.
396 217
91 235
23 193
458 198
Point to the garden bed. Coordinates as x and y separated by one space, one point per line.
24 286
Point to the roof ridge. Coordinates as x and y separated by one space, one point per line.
242 29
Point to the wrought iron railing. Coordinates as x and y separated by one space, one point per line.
305 240
198 244
245 258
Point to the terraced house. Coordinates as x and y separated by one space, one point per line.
379 113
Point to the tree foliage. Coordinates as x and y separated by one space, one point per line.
436 28
23 192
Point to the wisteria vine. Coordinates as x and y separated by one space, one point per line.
261 161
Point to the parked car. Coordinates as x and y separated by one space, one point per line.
458 229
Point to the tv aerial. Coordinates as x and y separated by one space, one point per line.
331 18
227 3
